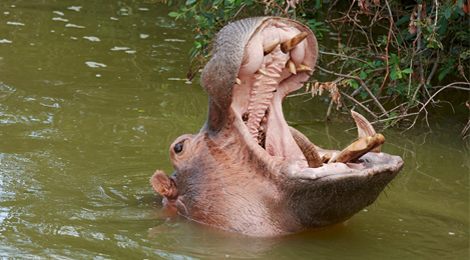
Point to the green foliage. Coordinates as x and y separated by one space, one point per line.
209 16
422 45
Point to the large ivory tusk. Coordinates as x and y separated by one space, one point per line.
290 44
357 149
268 48
364 128
307 148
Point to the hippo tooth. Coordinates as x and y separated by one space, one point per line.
291 67
308 149
326 157
364 127
262 72
358 149
263 120
238 81
245 116
302 67
290 44
269 47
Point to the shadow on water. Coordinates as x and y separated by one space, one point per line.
91 97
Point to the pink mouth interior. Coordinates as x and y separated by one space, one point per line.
265 82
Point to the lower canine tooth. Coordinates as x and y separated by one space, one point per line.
364 127
302 67
357 149
326 157
307 148
291 67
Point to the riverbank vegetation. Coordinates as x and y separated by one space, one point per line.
398 61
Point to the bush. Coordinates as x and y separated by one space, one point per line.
413 48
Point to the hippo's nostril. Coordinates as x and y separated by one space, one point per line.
178 148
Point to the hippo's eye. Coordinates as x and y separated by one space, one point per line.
178 147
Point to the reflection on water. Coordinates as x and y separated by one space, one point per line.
91 99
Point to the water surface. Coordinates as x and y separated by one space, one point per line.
92 93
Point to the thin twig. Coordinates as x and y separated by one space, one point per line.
386 47
342 56
359 104
434 68
362 84
437 92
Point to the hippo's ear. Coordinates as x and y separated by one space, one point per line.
220 74
165 186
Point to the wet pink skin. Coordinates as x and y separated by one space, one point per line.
225 178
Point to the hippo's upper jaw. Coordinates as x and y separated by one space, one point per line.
247 171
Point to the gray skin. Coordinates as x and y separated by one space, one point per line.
225 178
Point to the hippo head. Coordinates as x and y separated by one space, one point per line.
247 171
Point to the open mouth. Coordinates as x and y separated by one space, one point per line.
277 60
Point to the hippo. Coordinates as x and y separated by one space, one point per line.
247 171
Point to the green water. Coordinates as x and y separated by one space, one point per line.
91 99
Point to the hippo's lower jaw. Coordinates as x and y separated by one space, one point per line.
247 171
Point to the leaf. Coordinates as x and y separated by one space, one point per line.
354 84
173 14
318 4
444 73
460 3
364 94
190 13
363 75
407 71
394 75
228 4
448 12
442 24
404 19
399 39
216 2
395 59
221 13
399 74
190 2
